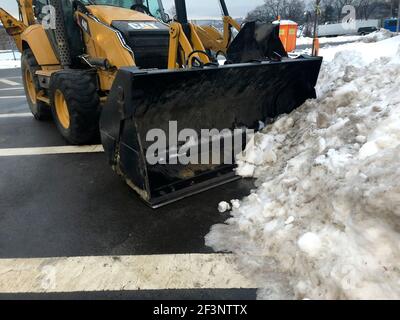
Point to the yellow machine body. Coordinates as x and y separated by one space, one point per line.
120 72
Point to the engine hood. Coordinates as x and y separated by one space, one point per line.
108 14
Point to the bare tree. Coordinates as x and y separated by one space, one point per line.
260 13
365 8
272 9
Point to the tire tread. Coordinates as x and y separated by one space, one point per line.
80 92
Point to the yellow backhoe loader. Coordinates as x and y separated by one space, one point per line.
120 69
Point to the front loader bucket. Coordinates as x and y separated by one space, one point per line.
225 97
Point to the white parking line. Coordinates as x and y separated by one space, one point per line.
13 97
16 115
9 82
12 89
91 274
50 150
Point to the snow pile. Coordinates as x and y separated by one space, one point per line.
376 36
324 221
7 60
380 35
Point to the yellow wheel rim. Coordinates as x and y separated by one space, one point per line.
30 86
61 109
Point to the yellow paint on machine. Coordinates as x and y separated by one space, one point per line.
62 109
104 42
36 38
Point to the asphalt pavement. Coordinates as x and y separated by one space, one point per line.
73 205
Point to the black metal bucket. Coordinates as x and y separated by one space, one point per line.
225 97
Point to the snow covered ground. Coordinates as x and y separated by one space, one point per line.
380 35
369 51
7 60
326 40
324 219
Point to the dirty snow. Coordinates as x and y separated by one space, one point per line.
7 60
324 220
380 35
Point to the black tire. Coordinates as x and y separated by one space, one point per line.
29 66
79 89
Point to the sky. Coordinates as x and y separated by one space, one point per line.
211 8
196 8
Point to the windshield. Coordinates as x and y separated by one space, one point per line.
154 6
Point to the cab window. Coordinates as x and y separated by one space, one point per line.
153 5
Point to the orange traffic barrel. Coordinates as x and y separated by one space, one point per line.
288 34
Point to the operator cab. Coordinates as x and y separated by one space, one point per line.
148 39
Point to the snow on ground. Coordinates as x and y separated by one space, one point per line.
326 40
324 221
369 51
7 60
380 35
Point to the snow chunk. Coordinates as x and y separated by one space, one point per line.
289 220
310 243
245 169
235 204
223 207
386 135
